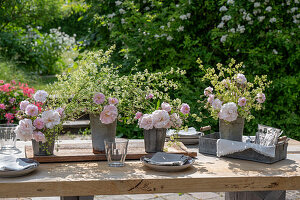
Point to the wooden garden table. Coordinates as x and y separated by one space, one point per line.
208 174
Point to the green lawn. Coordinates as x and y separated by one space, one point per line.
9 71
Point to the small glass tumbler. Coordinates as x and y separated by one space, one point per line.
116 151
7 137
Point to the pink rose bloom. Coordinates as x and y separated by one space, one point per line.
32 110
99 98
60 111
261 97
1 81
40 96
166 107
13 82
25 129
217 104
9 116
242 101
23 105
161 118
146 122
211 98
38 123
229 112
208 91
109 114
138 115
39 136
241 79
113 101
185 109
2 106
149 96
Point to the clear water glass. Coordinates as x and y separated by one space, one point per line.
7 137
116 151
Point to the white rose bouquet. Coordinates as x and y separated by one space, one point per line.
231 94
164 115
37 121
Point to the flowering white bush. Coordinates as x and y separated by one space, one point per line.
231 94
37 121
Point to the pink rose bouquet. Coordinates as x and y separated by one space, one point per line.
164 116
37 121
231 94
110 112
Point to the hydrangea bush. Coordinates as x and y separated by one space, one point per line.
38 121
231 94
11 94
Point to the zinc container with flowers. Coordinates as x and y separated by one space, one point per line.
231 97
39 123
156 118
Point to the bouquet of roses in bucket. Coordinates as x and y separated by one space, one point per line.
231 94
11 94
164 115
109 112
38 121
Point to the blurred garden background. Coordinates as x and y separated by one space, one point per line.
43 38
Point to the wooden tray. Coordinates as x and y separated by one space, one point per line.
208 145
84 152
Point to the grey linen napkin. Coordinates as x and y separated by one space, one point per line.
11 163
167 159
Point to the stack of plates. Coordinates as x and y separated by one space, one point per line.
186 137
167 162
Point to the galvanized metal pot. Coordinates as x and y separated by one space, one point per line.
233 130
101 132
154 139
43 149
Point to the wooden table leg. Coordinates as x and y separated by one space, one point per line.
257 195
77 198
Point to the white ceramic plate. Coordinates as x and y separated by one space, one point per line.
16 173
168 168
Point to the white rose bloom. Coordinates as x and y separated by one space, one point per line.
161 118
180 28
169 38
122 11
228 112
269 9
261 18
230 2
217 104
24 130
118 3
226 18
221 25
223 38
273 19
275 52
51 118
40 96
240 28
223 9
256 4
146 122
232 30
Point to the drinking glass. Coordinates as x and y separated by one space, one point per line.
116 151
7 137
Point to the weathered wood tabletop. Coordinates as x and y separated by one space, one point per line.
208 174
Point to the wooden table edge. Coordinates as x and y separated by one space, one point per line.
147 186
